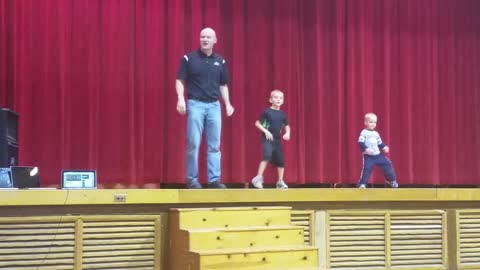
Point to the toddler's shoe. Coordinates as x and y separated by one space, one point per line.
393 184
362 186
257 181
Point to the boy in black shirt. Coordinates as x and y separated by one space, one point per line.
271 122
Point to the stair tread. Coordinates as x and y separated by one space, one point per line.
302 268
232 208
253 250
249 228
299 268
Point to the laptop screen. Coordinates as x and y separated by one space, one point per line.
79 179
25 177
5 179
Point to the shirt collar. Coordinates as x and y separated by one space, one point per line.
203 55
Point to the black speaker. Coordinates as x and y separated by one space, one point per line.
8 138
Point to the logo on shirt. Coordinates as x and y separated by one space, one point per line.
216 64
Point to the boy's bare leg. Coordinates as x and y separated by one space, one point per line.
280 173
257 181
262 167
281 184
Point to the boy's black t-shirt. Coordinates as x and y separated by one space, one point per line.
274 121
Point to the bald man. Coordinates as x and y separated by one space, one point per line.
204 74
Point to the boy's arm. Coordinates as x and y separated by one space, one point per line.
361 142
365 150
382 146
362 146
259 126
286 136
265 131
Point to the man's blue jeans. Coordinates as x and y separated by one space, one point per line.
203 116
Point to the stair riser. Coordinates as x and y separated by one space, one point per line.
231 219
246 239
258 261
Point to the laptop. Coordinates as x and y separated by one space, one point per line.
25 177
79 179
5 179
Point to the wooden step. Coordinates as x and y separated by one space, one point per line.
255 258
253 250
280 235
301 268
227 217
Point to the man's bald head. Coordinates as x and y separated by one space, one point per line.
208 38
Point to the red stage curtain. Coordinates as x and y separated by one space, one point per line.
93 82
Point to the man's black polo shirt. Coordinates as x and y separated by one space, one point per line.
203 75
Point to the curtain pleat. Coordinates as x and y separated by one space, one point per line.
93 83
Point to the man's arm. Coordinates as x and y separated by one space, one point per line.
226 99
179 86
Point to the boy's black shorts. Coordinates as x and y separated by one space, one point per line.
273 152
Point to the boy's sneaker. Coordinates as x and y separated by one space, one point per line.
362 186
216 184
281 185
257 181
193 185
393 184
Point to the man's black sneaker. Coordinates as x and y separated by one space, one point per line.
193 185
216 184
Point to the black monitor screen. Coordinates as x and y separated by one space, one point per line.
25 177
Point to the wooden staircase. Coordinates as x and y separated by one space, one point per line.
237 238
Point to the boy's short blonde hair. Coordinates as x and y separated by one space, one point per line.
275 91
369 115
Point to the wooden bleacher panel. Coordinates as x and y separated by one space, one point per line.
115 243
382 239
304 219
80 242
356 240
37 243
241 238
468 239
418 239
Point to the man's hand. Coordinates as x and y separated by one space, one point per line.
181 108
229 109
286 136
386 149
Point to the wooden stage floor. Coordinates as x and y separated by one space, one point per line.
56 197
421 216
